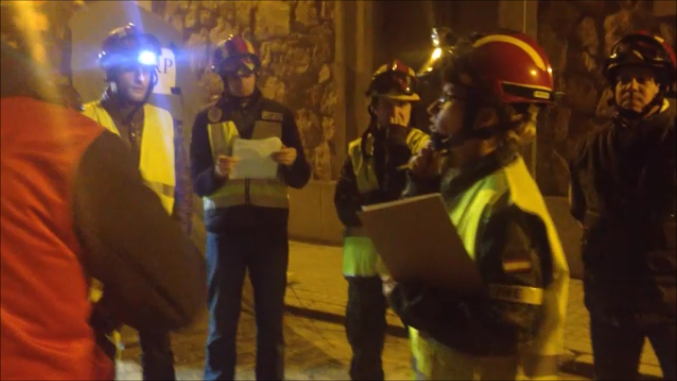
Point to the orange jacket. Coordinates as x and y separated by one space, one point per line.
44 313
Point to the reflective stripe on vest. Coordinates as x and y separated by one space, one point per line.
271 193
538 360
157 148
359 255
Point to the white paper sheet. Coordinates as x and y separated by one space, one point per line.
255 161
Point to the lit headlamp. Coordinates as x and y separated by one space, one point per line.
147 57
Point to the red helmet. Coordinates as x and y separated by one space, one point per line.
505 67
234 54
395 81
642 49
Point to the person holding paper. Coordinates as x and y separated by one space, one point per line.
494 87
374 172
129 59
246 218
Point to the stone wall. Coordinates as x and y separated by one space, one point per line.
577 36
295 40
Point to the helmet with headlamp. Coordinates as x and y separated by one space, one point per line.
128 47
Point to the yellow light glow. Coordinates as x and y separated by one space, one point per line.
437 53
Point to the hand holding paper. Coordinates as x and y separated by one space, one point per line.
225 165
286 156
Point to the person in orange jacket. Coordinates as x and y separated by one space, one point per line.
74 207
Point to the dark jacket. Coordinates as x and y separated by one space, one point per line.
480 325
205 181
131 132
390 152
623 192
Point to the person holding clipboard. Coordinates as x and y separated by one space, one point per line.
494 87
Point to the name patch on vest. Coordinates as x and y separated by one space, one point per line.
274 116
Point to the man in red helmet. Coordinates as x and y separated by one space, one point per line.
129 59
374 172
623 194
246 219
75 206
494 87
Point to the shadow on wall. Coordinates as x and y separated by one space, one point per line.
577 36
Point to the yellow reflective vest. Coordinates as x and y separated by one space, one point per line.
270 193
359 256
539 359
156 166
157 148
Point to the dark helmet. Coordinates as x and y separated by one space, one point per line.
235 54
642 49
646 50
128 45
395 81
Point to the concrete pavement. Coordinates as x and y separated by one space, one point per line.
315 338
317 289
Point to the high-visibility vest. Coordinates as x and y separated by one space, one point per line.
359 255
270 193
539 359
157 148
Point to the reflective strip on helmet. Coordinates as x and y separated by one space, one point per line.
516 294
538 60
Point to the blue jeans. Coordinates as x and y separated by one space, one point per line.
264 252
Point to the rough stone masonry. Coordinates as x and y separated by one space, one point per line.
296 42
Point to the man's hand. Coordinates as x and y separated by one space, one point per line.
388 285
286 156
225 165
425 163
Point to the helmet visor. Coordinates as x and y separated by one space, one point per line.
242 66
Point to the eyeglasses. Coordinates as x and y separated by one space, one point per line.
243 68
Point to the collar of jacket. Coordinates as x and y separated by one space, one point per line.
459 179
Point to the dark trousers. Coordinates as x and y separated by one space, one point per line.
366 327
265 254
617 348
157 359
